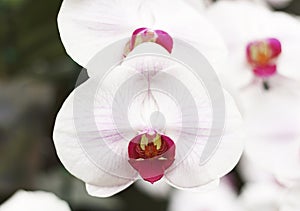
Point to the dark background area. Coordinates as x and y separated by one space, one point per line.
36 76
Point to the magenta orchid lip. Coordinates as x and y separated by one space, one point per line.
151 155
262 55
142 35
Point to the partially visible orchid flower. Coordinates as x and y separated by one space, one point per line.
124 127
34 201
221 199
262 55
264 78
88 26
248 25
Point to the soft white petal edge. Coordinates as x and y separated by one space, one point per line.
211 185
105 191
88 26
206 200
191 173
75 159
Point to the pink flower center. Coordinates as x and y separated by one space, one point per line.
143 35
262 54
151 155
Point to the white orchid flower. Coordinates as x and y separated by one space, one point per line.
34 201
265 79
148 117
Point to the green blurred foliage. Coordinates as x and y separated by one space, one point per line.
35 77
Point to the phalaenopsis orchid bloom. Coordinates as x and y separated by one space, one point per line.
144 116
265 79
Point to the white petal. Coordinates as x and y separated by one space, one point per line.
251 172
105 191
261 196
87 26
269 196
98 157
209 186
34 201
279 156
290 201
272 120
221 198
192 172
266 111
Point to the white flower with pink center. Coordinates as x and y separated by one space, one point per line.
264 78
152 108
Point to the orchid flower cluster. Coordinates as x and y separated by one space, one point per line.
144 113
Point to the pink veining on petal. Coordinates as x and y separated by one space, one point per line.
142 35
151 155
262 55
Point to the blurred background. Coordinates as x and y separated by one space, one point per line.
36 76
